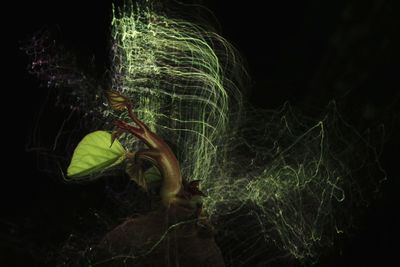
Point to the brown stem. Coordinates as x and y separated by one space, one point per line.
159 153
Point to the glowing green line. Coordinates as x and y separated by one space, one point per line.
184 82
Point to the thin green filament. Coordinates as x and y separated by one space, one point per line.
184 82
174 75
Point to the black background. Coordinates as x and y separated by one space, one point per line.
305 52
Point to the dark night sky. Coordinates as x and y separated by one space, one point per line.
306 52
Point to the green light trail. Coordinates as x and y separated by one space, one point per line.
274 179
182 90
290 171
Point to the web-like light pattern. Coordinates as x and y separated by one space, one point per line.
274 177
279 165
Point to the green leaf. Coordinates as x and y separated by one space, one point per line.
95 153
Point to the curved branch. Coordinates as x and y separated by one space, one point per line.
159 152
